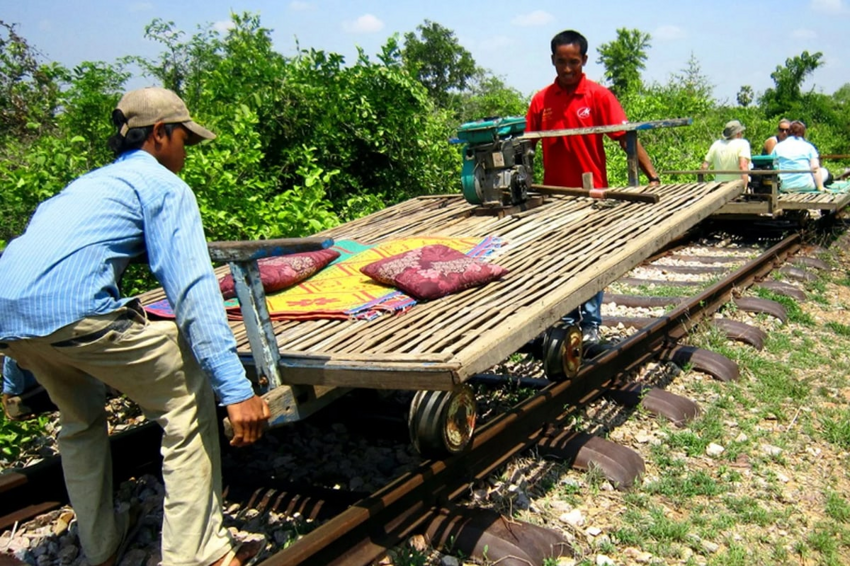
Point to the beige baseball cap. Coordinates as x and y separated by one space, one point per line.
147 106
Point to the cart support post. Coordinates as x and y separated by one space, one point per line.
258 324
632 158
242 258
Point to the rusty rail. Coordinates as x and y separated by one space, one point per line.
26 493
362 533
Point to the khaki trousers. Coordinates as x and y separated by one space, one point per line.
151 363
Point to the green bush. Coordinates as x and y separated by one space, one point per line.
309 141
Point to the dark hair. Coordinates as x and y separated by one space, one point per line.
134 138
798 129
569 37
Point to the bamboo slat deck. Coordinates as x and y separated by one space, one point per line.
776 204
813 201
559 255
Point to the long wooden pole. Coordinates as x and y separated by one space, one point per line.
627 127
596 193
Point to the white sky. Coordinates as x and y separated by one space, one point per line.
735 42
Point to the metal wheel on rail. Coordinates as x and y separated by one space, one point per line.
562 352
442 423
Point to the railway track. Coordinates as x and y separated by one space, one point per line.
430 497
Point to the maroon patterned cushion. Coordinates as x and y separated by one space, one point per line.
284 271
431 272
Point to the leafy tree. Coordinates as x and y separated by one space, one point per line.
375 123
183 65
94 91
29 90
438 61
787 95
745 96
172 66
842 95
623 59
34 173
693 91
841 99
788 99
488 95
311 130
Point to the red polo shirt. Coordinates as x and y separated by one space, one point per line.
566 158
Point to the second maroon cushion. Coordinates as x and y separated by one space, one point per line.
431 272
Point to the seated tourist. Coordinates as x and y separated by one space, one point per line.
782 131
730 153
797 154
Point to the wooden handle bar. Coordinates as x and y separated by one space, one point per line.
627 127
596 193
256 249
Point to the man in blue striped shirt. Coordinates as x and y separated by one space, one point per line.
62 318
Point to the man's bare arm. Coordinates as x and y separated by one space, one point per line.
644 161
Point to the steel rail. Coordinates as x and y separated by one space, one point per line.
363 532
28 492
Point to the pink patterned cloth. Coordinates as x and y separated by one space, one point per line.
431 272
281 272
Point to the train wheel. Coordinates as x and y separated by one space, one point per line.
441 423
562 352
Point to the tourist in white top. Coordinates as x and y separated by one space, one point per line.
730 153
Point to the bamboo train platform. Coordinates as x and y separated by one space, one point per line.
778 203
813 201
774 202
559 255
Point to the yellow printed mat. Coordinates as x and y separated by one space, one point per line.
340 290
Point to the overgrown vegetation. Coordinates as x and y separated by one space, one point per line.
309 141
14 436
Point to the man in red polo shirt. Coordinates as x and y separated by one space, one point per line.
574 101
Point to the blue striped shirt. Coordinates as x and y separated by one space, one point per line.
67 264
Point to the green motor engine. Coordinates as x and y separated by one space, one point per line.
497 162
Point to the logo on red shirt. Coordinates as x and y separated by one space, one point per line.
583 112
